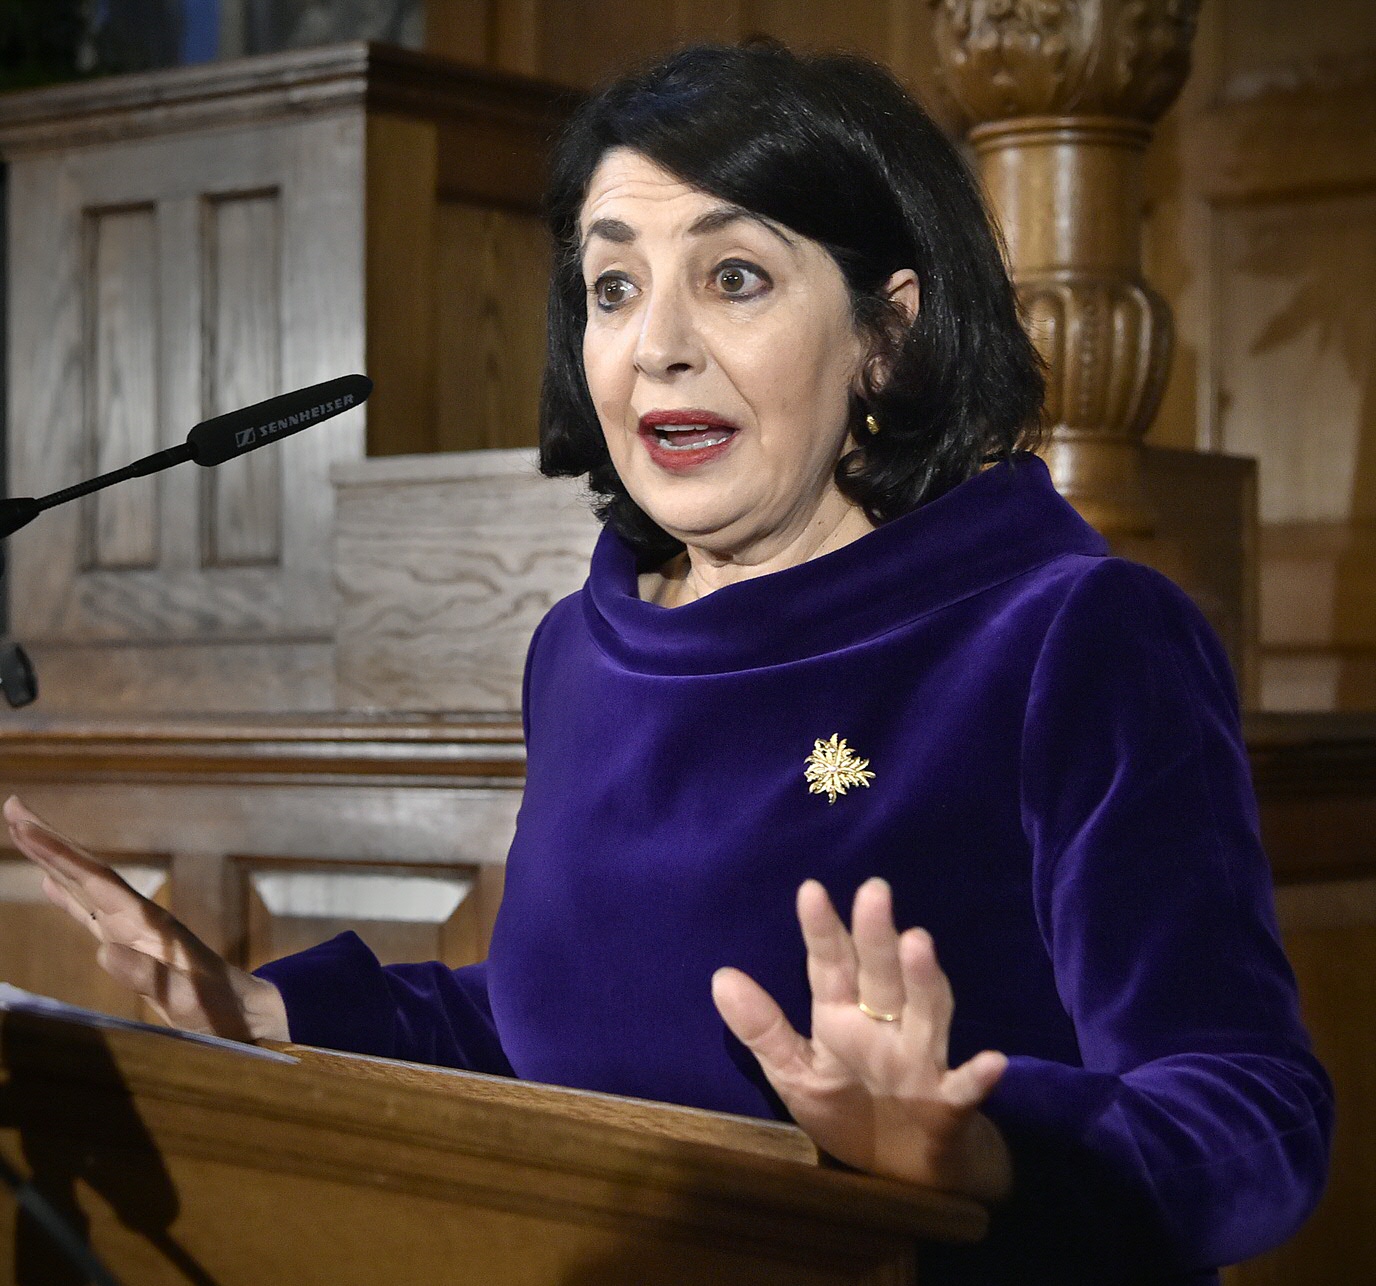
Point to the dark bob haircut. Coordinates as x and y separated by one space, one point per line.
831 147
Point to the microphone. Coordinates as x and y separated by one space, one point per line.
215 441
212 441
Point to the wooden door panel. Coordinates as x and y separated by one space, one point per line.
402 913
164 281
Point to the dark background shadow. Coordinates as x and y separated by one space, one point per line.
85 1129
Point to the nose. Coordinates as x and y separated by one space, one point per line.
668 343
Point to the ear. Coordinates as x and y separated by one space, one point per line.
902 289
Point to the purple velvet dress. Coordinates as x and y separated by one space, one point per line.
1060 794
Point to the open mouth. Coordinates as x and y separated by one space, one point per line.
690 437
686 432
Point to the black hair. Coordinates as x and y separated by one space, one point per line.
832 147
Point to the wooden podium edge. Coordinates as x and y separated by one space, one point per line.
747 1135
445 1134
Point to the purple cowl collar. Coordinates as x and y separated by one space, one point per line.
997 525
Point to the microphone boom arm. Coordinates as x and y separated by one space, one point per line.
211 442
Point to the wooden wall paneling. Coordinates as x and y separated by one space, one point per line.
1264 231
202 166
422 811
1294 330
323 335
402 913
204 894
1319 600
1205 506
183 343
462 30
181 677
241 246
533 36
202 237
48 446
445 565
491 281
516 35
402 179
830 24
1271 34
121 423
322 822
100 634
608 40
723 20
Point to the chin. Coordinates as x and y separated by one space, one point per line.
693 521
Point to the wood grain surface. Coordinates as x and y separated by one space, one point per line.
445 565
178 1155
1263 201
189 241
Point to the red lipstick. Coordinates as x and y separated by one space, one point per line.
683 439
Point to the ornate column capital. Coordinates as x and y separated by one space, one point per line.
1061 95
1010 58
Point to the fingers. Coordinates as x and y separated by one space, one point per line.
928 1002
96 896
62 897
879 977
53 850
43 843
892 973
968 1085
831 962
91 882
759 1024
15 809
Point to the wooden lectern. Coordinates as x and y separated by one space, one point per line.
185 1163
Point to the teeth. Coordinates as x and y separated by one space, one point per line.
689 446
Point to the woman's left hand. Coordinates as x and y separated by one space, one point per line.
875 1094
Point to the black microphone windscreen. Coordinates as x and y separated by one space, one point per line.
17 512
222 438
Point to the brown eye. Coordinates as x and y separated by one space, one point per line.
611 292
741 280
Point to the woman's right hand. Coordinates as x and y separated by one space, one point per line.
143 946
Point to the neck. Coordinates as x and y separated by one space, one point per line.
700 569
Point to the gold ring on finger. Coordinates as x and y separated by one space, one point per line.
878 1015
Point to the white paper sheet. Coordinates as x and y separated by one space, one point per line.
20 1001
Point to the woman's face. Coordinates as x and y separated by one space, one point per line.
719 352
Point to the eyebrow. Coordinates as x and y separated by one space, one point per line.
621 233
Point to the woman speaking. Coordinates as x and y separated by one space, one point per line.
842 645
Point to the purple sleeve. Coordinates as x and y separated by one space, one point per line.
1196 1134
339 997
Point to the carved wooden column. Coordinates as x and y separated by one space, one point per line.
1061 96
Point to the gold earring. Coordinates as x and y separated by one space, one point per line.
871 424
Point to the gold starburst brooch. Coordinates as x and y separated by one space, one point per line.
833 768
